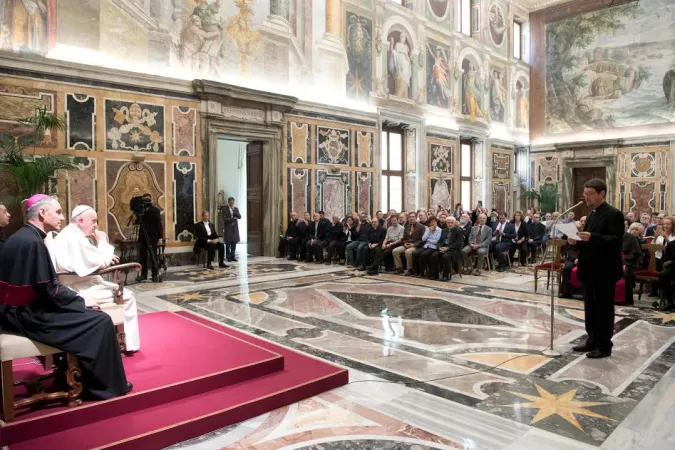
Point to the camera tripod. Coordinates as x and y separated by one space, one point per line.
139 230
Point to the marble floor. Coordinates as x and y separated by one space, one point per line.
436 365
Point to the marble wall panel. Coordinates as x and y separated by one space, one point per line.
78 187
184 129
125 180
20 102
411 193
334 193
332 146
441 193
298 145
184 201
80 121
299 190
364 149
501 166
134 126
642 197
440 158
644 178
501 195
364 192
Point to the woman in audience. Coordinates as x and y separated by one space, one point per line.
339 248
632 258
520 242
430 240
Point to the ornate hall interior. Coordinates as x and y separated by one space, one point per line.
345 109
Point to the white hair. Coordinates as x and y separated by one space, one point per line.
636 226
32 212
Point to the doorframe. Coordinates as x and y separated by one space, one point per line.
270 137
578 162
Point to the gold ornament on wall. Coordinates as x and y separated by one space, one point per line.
240 31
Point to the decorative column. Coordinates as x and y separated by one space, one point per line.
333 65
280 13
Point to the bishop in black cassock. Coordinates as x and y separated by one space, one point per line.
35 304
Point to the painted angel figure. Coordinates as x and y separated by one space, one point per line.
497 96
400 66
441 75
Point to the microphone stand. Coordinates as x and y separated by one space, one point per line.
550 351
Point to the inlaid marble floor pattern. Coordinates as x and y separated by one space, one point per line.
436 365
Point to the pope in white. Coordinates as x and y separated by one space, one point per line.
72 250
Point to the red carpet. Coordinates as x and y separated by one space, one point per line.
182 389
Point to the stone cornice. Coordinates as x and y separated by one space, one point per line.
231 94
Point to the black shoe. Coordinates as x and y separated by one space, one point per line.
209 267
584 348
141 278
222 265
128 388
233 260
597 353
362 268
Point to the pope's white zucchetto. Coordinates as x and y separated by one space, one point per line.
80 210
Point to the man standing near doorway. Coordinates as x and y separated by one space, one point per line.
600 267
231 232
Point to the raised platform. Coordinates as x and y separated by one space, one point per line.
192 376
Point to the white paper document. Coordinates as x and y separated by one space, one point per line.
570 229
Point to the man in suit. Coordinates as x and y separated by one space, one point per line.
503 234
479 240
148 241
465 225
599 269
535 235
449 249
291 240
207 238
666 278
231 217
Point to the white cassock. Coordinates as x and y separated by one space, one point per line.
71 251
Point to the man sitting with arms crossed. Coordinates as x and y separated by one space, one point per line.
34 303
73 251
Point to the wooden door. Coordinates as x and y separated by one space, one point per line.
254 198
581 176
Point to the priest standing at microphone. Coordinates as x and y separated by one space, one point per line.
600 268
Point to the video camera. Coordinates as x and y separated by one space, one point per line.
139 205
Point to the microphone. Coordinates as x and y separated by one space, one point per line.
581 202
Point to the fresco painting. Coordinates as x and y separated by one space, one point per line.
399 64
612 68
439 90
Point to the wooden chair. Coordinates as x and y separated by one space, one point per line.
15 346
650 273
202 257
473 255
116 309
554 249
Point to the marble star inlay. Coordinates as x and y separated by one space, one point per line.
664 317
562 405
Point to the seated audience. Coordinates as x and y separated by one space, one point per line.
667 277
465 226
35 304
336 237
441 219
354 248
82 249
380 217
318 240
664 233
207 238
392 219
337 248
423 218
479 242
520 241
503 234
630 217
412 238
374 237
392 239
535 235
449 252
644 220
632 258
290 241
303 231
429 246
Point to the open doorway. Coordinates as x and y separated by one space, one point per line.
239 175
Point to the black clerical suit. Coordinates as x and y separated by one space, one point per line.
600 267
318 239
34 304
667 276
535 232
291 240
147 241
202 242
230 230
632 260
453 240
